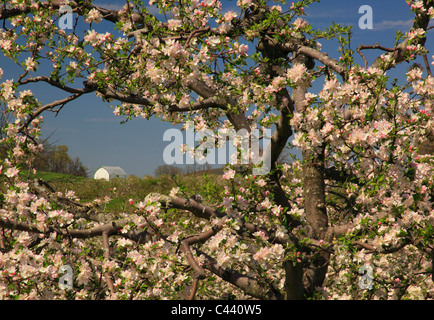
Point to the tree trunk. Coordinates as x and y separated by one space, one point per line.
314 193
316 216
293 281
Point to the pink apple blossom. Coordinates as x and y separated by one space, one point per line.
261 183
229 174
296 73
229 16
359 164
174 24
300 23
414 74
93 16
11 172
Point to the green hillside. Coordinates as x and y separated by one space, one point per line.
122 191
58 177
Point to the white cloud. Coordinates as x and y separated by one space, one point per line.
402 25
393 24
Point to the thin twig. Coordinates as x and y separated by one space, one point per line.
199 31
376 46
363 56
49 106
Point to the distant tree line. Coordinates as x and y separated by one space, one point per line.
55 158
167 169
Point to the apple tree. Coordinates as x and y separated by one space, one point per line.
351 217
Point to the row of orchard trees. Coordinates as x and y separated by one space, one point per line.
360 198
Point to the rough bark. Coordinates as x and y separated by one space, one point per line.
314 193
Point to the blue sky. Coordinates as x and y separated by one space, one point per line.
91 131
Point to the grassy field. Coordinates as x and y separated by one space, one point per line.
120 191
58 177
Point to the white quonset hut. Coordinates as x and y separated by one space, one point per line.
108 173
